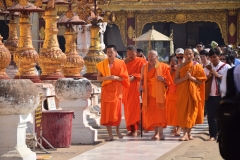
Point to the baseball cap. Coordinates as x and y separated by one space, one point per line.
179 51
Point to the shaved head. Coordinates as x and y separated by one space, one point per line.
153 52
152 57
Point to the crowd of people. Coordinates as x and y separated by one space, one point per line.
177 94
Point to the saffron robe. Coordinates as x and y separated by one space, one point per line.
131 94
111 94
154 96
171 108
190 97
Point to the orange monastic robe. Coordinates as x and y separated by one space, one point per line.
131 94
154 96
171 108
190 105
111 94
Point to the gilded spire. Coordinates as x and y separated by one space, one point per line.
50 4
23 2
38 3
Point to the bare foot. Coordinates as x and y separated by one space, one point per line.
130 134
145 131
184 139
177 135
211 139
138 132
162 137
190 137
109 139
155 137
120 136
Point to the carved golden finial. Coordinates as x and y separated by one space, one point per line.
130 14
42 33
1 39
38 3
23 2
51 4
232 12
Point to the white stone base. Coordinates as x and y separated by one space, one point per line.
13 138
82 133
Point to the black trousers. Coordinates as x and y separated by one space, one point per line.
211 107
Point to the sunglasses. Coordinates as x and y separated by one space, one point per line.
199 46
179 57
222 59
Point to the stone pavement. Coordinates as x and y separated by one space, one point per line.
130 148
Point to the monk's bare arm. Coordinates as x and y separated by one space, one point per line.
195 80
101 78
177 79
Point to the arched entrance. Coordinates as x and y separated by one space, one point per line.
188 34
219 17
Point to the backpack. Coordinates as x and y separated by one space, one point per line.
228 121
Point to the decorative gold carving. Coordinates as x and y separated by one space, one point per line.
130 14
180 18
42 33
220 17
5 58
232 13
232 29
38 3
9 3
159 5
23 2
51 57
130 32
69 14
95 53
238 26
25 56
121 22
12 41
74 64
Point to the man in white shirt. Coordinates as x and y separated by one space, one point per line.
214 72
204 58
236 75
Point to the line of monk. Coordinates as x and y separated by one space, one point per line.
162 87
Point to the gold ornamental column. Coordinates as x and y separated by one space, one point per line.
51 57
12 41
74 64
5 58
25 55
94 55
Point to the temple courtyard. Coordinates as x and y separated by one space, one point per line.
143 148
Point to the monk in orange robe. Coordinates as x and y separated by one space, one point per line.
190 105
171 99
155 77
113 73
131 95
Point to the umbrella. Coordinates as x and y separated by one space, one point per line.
153 35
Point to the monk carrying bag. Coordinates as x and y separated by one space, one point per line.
228 120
